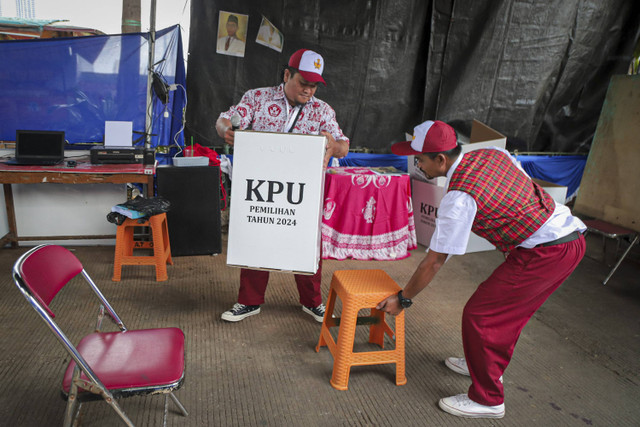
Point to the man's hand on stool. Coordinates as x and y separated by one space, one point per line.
391 305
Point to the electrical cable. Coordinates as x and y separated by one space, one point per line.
184 109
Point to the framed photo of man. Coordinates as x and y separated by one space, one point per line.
269 35
232 33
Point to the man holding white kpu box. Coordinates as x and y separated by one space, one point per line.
488 192
289 107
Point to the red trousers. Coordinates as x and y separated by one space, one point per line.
253 285
502 305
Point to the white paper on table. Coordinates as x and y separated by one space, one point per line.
118 134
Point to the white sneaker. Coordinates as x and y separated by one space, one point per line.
462 406
459 366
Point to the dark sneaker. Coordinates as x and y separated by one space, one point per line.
316 312
239 312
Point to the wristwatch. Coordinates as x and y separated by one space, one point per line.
404 302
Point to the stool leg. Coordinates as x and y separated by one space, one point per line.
376 331
159 249
344 348
328 321
129 243
401 378
165 239
119 252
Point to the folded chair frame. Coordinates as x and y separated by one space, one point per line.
91 388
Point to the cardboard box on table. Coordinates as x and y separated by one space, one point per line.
426 201
427 193
556 191
276 201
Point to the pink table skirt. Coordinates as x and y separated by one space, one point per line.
367 215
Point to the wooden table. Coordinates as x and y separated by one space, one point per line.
83 173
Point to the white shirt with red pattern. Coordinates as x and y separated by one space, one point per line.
267 109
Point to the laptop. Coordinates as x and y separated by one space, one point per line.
38 147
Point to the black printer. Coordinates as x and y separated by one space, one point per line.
101 155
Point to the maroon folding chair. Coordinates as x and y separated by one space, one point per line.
612 231
104 365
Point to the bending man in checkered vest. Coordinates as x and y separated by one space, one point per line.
488 193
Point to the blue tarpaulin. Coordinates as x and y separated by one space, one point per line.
76 84
561 170
366 160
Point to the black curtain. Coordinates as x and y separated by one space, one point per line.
535 71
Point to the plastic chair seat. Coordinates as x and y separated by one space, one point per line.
607 229
361 289
132 359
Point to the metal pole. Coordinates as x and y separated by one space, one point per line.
152 43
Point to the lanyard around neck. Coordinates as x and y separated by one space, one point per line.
293 117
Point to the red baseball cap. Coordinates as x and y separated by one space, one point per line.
428 137
309 64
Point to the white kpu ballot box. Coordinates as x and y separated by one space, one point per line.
276 201
426 202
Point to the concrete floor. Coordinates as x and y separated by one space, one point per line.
576 363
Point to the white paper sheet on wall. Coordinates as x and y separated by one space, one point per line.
118 134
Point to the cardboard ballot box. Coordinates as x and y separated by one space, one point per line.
276 201
556 191
426 201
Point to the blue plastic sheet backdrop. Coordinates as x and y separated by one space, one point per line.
76 84
372 160
561 170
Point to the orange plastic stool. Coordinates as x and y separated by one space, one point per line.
125 244
359 289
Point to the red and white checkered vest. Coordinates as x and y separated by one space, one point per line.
511 207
